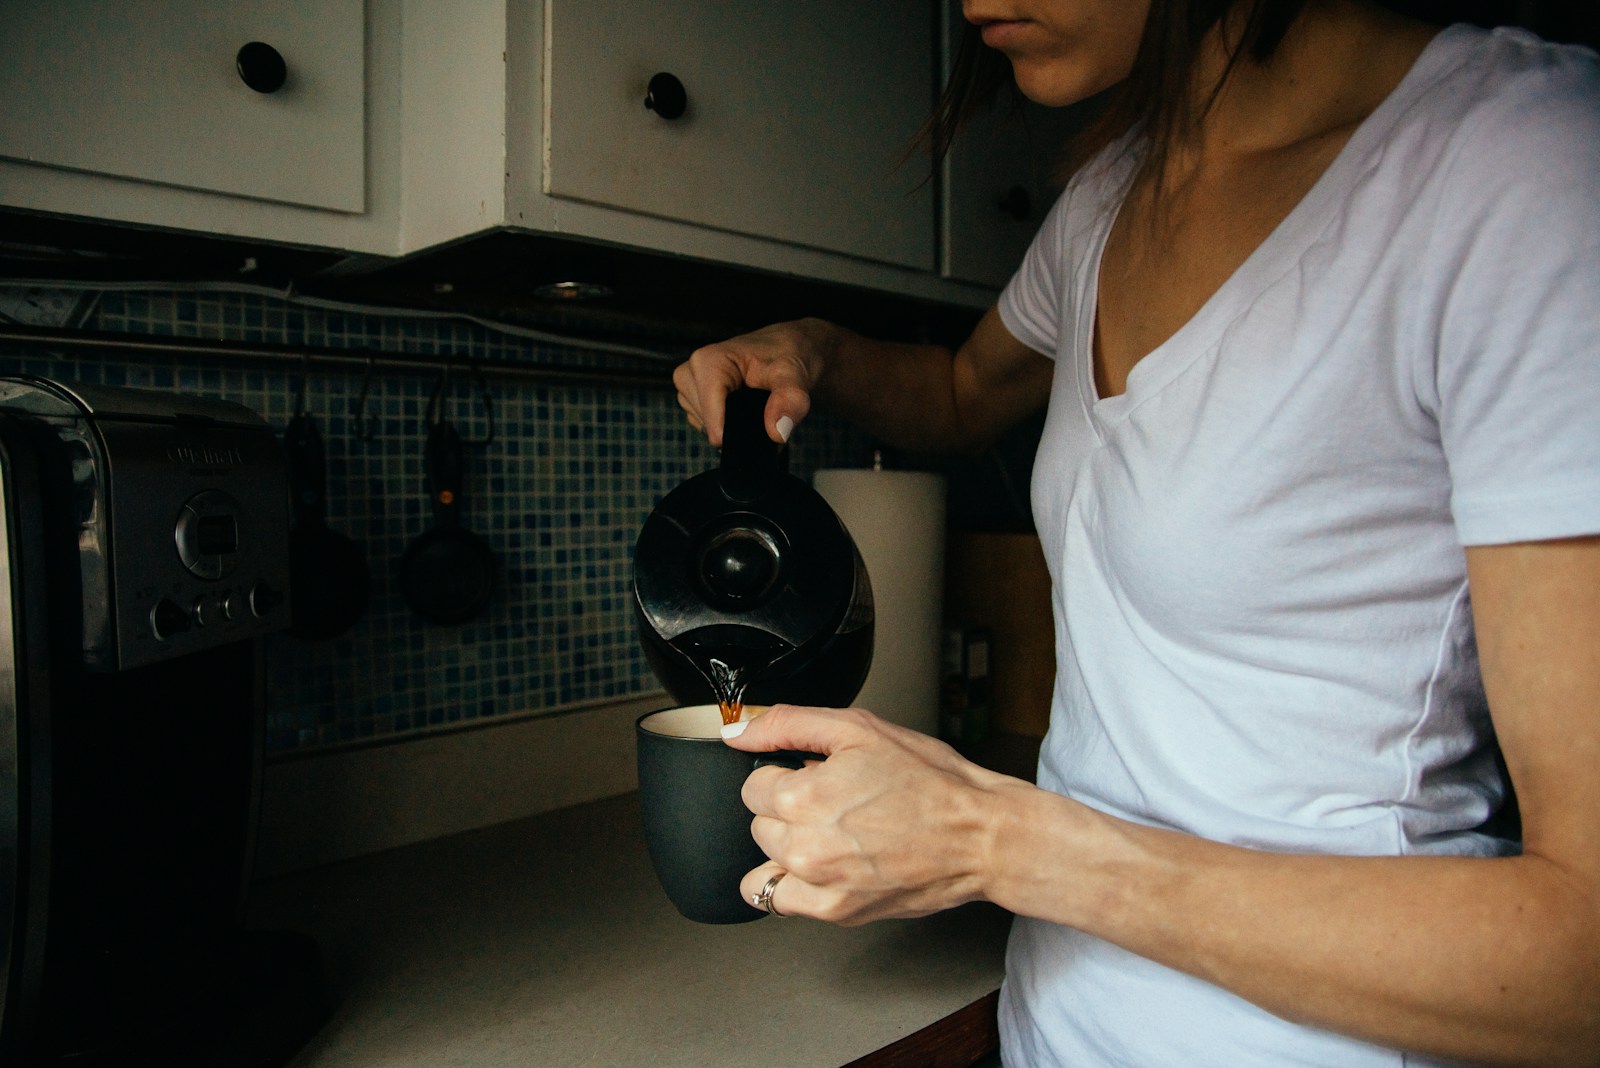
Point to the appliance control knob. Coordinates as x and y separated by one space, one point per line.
263 599
261 67
200 612
167 619
206 534
666 96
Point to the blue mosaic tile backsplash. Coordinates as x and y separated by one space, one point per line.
559 494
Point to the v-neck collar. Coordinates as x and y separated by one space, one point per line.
1278 253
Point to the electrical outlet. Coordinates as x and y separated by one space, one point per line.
39 307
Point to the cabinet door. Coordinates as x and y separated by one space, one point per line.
1001 177
796 117
149 90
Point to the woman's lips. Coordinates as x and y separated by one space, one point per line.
998 33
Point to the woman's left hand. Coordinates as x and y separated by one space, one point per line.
892 824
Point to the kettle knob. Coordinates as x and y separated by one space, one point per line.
739 567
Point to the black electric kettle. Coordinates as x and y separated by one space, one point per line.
747 565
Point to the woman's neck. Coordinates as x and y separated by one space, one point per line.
1336 63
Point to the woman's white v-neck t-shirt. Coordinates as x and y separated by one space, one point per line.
1263 627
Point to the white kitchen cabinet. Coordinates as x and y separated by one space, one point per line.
778 121
137 111
409 126
1000 178
786 159
155 90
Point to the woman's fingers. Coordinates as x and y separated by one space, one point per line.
779 358
752 886
891 823
703 383
764 795
692 412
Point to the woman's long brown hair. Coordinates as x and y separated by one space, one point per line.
1154 97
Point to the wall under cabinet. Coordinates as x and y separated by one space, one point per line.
559 493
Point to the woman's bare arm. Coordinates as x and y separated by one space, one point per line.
920 397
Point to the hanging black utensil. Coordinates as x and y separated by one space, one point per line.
330 582
447 573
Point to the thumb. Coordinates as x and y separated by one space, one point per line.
787 406
812 730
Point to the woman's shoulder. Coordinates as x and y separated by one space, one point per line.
1498 82
1488 112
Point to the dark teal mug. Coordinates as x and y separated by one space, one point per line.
695 824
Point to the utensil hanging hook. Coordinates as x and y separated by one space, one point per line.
366 427
436 398
488 406
441 389
300 391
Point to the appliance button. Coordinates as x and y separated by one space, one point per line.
199 612
263 599
230 605
167 619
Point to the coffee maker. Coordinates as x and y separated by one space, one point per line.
144 541
748 566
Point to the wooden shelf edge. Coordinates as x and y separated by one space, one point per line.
957 1041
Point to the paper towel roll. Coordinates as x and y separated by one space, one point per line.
897 521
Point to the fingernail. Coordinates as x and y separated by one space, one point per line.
785 427
733 730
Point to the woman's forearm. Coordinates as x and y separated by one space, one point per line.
1491 960
928 398
899 392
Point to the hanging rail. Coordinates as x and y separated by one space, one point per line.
357 361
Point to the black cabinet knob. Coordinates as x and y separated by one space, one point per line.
1017 203
261 67
666 96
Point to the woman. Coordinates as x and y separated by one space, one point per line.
1318 340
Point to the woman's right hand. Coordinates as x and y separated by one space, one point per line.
787 358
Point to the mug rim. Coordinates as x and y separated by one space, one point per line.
640 726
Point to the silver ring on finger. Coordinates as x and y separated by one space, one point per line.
762 899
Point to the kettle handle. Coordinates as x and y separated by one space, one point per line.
751 460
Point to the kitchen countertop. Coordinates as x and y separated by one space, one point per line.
547 941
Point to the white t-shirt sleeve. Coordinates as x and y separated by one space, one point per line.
1030 304
1512 317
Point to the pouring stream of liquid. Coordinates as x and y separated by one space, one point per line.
727 684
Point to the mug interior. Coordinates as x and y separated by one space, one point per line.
692 721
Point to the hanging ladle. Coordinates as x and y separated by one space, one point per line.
448 573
